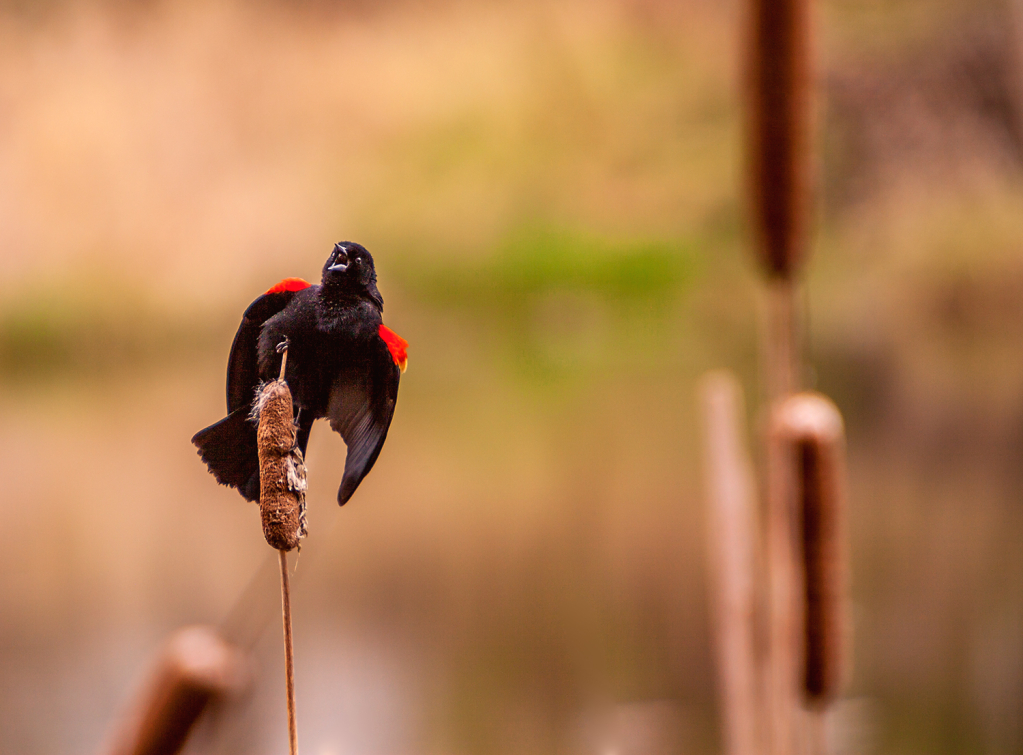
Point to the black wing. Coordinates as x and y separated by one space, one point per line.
229 447
242 365
361 406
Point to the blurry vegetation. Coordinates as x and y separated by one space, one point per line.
537 262
555 302
90 331
84 327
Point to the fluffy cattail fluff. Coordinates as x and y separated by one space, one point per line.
810 428
282 478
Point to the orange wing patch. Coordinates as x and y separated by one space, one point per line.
288 284
397 345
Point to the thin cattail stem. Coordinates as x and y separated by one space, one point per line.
282 347
784 608
781 373
289 654
817 734
782 367
731 510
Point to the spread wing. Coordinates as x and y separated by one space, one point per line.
361 406
242 366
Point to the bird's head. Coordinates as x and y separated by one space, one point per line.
350 268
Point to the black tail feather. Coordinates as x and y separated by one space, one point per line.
229 450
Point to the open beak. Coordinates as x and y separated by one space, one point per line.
340 260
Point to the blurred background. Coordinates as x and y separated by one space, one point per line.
553 193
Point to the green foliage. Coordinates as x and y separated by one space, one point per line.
554 303
537 261
59 332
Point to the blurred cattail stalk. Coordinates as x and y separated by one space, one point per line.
289 654
732 530
196 669
805 664
779 139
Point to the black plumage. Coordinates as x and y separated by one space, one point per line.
339 366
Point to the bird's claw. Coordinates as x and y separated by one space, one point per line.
283 345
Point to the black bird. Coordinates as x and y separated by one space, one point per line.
343 363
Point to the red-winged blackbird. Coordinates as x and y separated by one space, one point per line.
342 363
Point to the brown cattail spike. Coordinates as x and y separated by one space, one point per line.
282 475
810 430
779 130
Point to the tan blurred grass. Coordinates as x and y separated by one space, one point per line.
191 148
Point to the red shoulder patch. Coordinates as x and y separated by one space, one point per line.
288 284
397 345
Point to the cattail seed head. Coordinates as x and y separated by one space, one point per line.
810 430
282 475
779 130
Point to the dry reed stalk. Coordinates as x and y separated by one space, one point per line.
810 435
782 368
782 363
784 609
196 668
731 508
780 131
289 654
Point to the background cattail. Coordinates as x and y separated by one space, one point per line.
809 430
779 131
196 668
282 475
779 135
731 512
